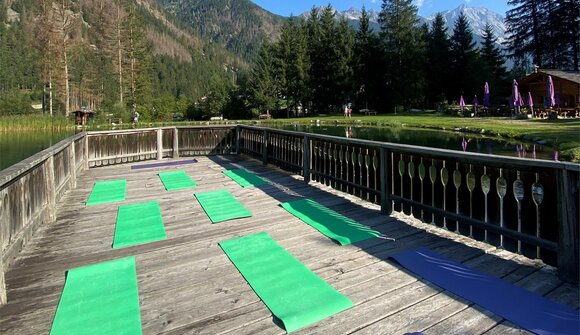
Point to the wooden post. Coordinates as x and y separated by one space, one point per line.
568 249
306 159
86 155
175 143
159 144
238 131
265 148
385 175
73 163
50 189
3 296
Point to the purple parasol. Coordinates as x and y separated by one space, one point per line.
486 96
461 102
530 101
515 94
520 99
551 99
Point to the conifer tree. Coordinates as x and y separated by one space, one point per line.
438 60
292 58
464 60
262 84
138 71
493 68
366 60
525 29
404 51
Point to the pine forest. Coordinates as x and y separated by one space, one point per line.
166 59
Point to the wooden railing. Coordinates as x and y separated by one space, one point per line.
29 192
123 146
526 206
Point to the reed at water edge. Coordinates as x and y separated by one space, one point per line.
34 122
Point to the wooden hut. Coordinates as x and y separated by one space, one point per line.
566 87
82 116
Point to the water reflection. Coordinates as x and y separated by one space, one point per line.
19 145
432 138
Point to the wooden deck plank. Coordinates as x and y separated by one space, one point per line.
187 284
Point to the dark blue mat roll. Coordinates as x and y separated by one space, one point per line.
524 308
153 165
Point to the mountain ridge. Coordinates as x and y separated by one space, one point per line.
476 16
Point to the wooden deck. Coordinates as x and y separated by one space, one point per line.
187 285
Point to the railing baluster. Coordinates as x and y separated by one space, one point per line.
501 187
518 190
444 181
538 198
485 188
470 181
457 183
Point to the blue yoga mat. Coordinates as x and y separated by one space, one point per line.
524 308
153 165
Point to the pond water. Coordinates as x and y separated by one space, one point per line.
432 138
18 145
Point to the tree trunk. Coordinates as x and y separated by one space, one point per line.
66 83
120 54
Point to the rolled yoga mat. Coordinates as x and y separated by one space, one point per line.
221 206
332 224
176 180
107 191
292 292
100 299
245 178
138 224
161 164
524 308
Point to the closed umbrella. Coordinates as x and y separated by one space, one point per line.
531 103
515 96
551 98
461 103
486 95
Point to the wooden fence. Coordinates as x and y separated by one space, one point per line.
523 205
526 206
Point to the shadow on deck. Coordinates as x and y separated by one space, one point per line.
188 285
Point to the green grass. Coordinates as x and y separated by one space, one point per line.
34 122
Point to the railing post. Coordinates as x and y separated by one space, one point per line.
306 159
265 148
3 296
159 144
385 175
50 189
86 143
568 249
175 143
73 164
238 130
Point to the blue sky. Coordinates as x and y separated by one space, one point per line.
426 7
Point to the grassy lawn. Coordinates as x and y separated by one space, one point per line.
562 133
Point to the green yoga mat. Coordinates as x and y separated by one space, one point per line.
245 178
292 292
221 206
107 191
332 224
176 180
100 299
138 223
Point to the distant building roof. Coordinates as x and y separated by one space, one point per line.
573 76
